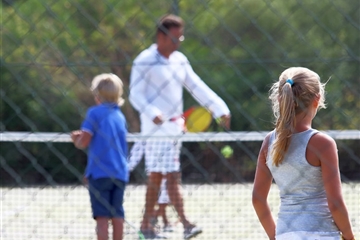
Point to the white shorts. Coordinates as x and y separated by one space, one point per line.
302 235
162 156
163 193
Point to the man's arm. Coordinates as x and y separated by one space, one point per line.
137 96
207 97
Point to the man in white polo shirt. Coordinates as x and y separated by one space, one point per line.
158 77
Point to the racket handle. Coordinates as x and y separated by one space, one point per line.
174 119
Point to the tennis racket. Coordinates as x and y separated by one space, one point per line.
197 119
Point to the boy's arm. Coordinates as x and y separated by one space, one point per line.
81 138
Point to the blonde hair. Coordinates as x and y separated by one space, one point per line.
291 95
108 88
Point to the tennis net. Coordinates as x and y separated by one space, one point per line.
41 174
202 159
186 137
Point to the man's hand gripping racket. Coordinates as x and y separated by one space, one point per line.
198 119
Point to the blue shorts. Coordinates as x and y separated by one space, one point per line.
106 197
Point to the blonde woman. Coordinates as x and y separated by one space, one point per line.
304 164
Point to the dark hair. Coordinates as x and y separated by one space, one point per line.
169 21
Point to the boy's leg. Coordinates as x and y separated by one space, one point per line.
118 214
162 213
118 228
102 226
163 201
99 190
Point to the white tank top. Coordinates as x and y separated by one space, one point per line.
303 199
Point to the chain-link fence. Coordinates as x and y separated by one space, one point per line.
51 50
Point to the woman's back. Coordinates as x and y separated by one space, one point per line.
303 163
303 198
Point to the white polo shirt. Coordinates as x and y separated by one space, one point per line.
156 88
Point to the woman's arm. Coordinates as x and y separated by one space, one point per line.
327 153
262 184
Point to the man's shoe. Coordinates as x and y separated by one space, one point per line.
191 231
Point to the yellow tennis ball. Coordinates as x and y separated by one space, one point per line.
227 151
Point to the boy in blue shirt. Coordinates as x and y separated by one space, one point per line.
104 132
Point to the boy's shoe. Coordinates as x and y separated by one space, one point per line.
168 228
151 234
191 231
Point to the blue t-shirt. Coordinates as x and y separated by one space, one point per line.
107 153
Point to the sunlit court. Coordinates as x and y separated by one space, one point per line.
223 210
177 119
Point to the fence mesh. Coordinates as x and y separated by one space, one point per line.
51 50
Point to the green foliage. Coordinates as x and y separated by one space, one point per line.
238 48
52 49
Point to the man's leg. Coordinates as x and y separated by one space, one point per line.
173 186
175 196
152 192
155 216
